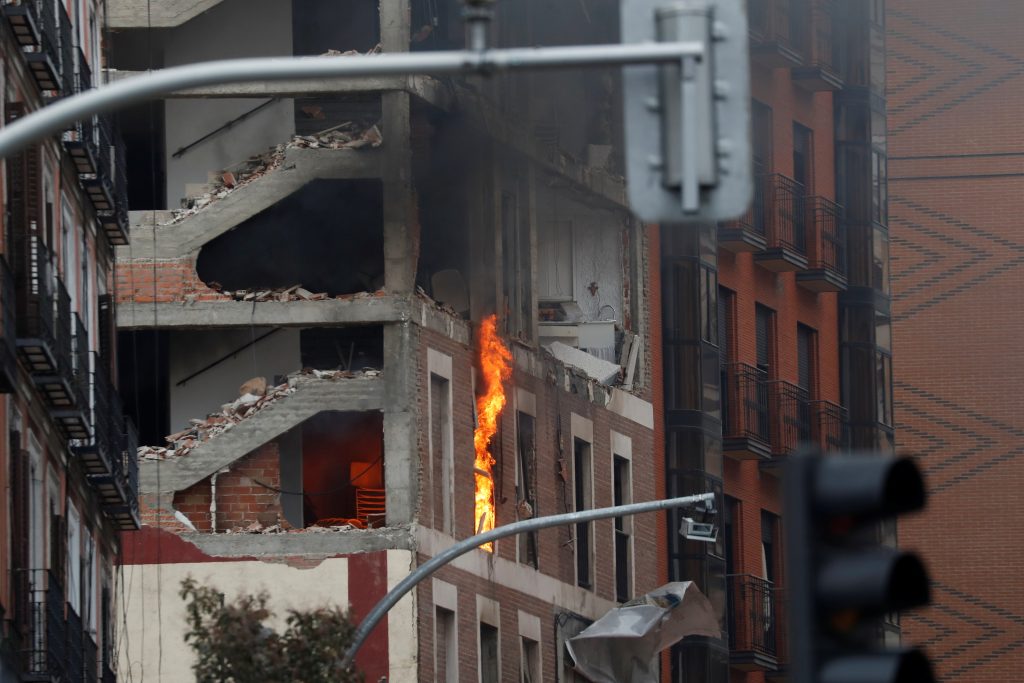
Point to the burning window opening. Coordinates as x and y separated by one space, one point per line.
327 236
342 469
495 368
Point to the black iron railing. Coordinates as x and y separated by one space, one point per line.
744 402
790 417
45 60
828 426
80 362
784 211
828 244
67 51
43 650
34 291
752 617
76 646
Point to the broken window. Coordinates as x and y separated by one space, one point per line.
441 455
526 469
529 660
489 665
622 494
326 237
343 469
142 359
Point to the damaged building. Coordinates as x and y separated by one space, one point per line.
359 320
300 318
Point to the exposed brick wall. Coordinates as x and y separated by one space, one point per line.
176 280
240 500
955 96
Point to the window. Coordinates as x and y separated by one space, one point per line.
489 665
803 157
529 648
583 499
516 270
529 660
764 320
441 452
762 132
89 584
806 349
770 559
622 494
730 520
526 489
445 662
726 324
74 559
709 305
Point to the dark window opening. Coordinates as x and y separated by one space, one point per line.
322 25
803 157
527 493
806 351
764 321
342 348
770 548
762 132
583 500
143 382
441 455
489 668
622 494
530 661
445 664
327 237
343 469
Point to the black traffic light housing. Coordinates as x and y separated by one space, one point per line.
841 578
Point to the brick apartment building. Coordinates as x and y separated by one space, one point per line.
67 459
956 143
340 243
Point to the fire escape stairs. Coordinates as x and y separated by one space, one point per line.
311 396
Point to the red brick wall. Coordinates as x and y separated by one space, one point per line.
240 500
175 280
955 97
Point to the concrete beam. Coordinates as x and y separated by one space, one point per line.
127 14
312 396
309 544
212 314
299 167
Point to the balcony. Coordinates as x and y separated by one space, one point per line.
828 426
40 626
107 419
80 139
753 622
25 20
107 185
775 37
825 50
745 423
790 415
119 490
826 262
8 331
784 224
42 51
39 344
67 391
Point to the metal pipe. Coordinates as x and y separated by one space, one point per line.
464 546
56 117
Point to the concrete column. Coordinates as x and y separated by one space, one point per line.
401 457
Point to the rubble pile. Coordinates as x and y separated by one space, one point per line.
348 135
255 395
257 528
293 293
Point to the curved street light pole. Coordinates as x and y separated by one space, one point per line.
462 547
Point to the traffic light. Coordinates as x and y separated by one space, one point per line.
687 124
841 580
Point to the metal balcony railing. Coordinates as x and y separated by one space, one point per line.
23 16
753 618
43 634
744 402
770 21
44 58
104 447
828 245
828 426
790 412
35 298
825 47
784 213
66 47
119 490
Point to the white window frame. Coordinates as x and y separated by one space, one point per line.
529 629
446 597
582 429
622 446
487 612
440 364
524 402
73 587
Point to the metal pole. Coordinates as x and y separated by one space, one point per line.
463 547
56 117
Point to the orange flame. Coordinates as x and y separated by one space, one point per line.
495 365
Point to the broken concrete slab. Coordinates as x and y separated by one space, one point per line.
600 370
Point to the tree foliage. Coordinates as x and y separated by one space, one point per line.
233 645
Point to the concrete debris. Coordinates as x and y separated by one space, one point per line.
257 528
348 135
375 50
245 406
596 368
256 385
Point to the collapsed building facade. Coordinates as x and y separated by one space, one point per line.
301 306
336 247
68 456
